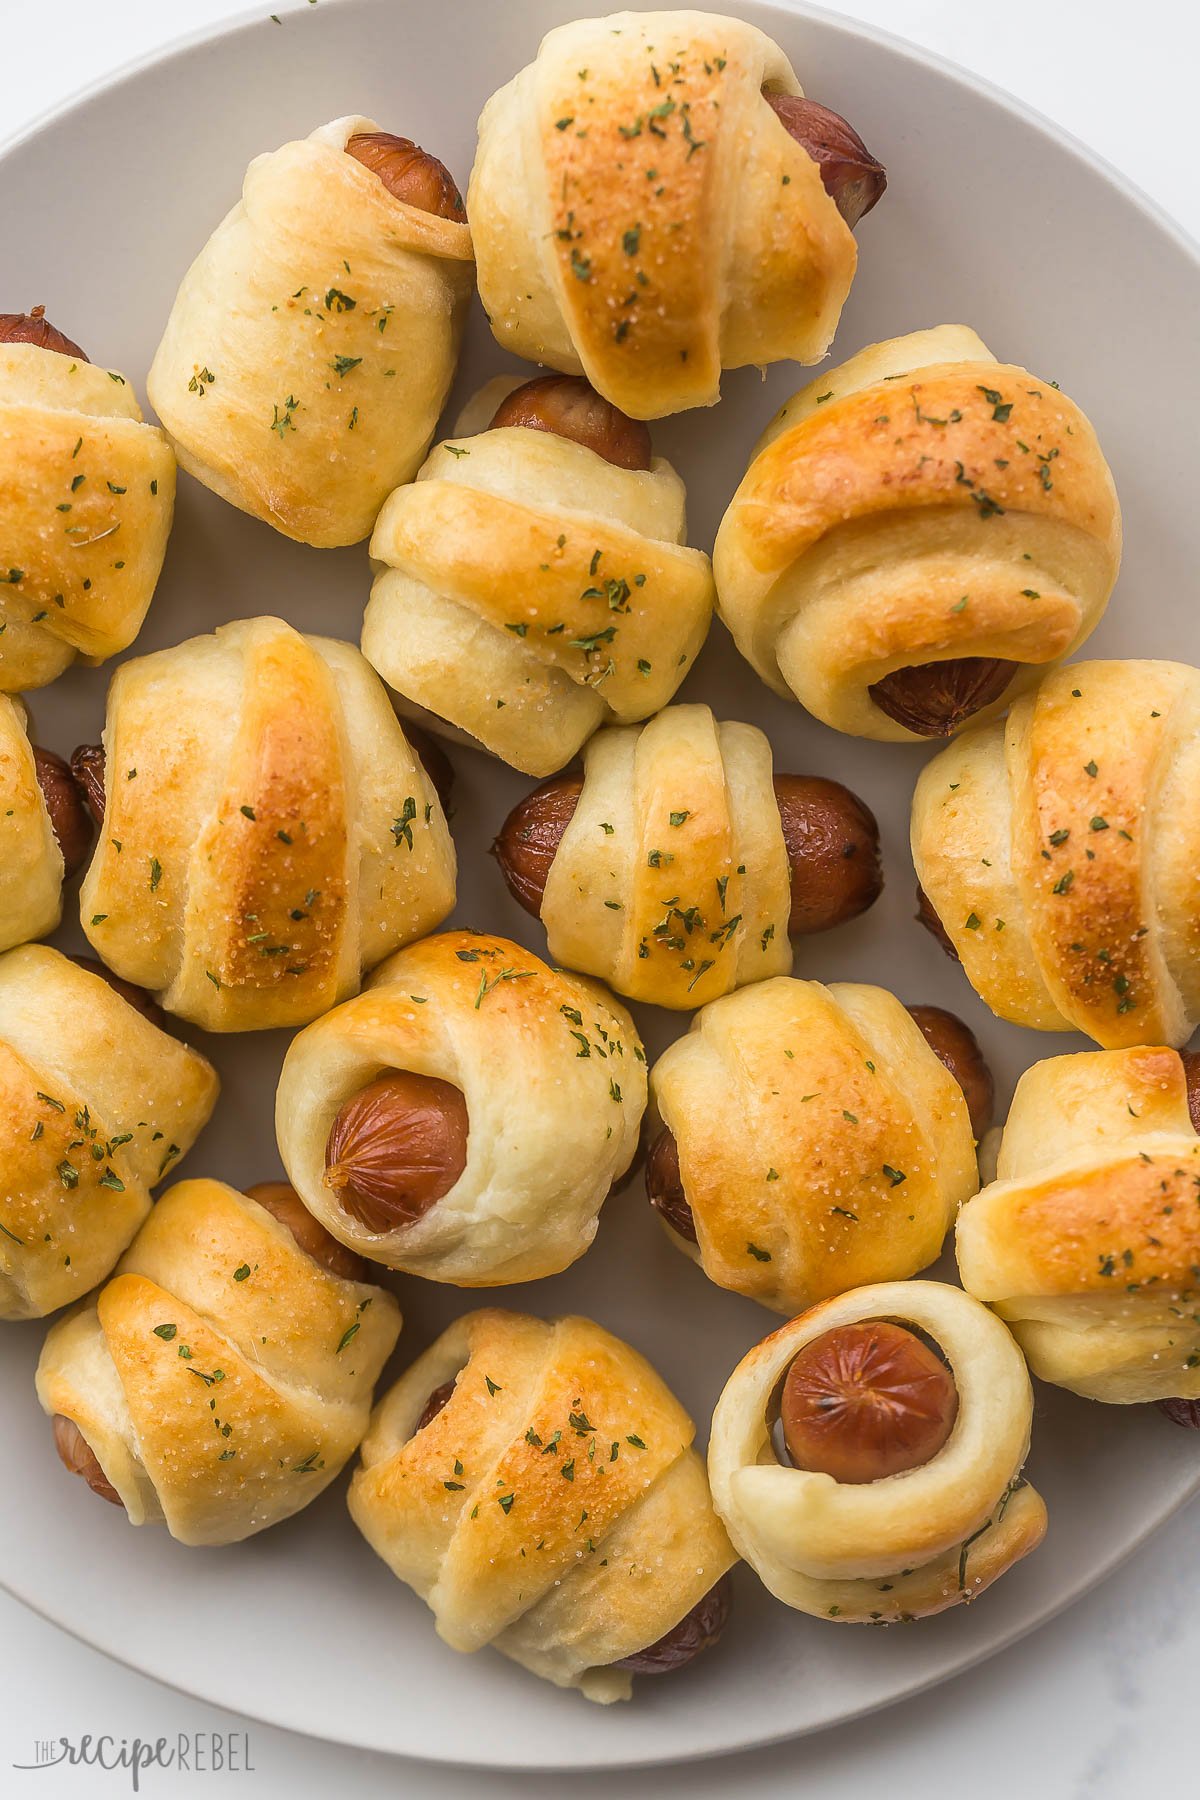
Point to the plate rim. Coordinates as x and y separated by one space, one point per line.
178 48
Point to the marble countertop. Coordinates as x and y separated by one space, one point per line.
1096 1705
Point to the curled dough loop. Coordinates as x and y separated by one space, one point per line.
821 1142
554 1078
1059 852
219 1402
553 1508
313 398
920 504
906 1545
528 591
248 875
671 881
89 496
1086 1243
642 217
97 1105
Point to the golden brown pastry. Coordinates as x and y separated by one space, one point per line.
653 201
87 493
465 1117
98 1103
866 1457
533 583
534 1482
45 830
1088 1242
269 832
311 398
222 1378
677 866
808 1139
1057 858
919 533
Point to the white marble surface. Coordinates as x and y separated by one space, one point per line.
1097 1705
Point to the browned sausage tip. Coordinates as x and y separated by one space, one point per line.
664 1186
570 408
934 699
69 819
956 1045
853 179
409 173
866 1400
698 1630
439 1398
77 1455
1182 1412
87 766
395 1148
1191 1074
832 844
530 836
927 916
283 1203
35 328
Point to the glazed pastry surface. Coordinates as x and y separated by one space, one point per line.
553 1508
308 403
1086 1243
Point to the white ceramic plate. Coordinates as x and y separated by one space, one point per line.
991 217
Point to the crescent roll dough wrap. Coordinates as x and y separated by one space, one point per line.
222 1378
1088 1241
909 1544
31 863
554 1078
920 504
87 493
269 833
642 216
528 591
678 825
821 1142
313 341
1059 852
553 1508
97 1104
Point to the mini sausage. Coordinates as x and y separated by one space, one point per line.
831 839
1182 1412
1191 1074
409 173
698 1630
69 820
35 328
956 1045
864 1401
664 1186
282 1201
439 1398
934 699
571 408
133 996
927 916
396 1148
77 1455
832 843
853 179
87 766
